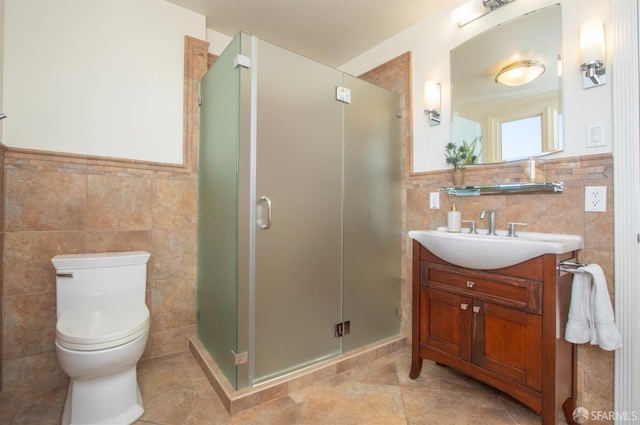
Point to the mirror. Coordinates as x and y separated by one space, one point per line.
513 122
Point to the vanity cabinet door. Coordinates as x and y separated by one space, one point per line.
507 341
446 321
489 321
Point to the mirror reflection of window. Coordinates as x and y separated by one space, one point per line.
560 124
521 138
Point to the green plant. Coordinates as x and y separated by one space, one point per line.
459 156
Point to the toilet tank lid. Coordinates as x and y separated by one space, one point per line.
99 259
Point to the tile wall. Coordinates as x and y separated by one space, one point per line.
57 204
2 152
60 204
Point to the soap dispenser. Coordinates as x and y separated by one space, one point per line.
454 220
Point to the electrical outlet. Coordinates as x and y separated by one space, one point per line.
434 200
595 198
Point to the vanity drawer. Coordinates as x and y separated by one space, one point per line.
513 292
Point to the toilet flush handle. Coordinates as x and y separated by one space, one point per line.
64 274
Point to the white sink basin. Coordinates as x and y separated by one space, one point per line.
481 251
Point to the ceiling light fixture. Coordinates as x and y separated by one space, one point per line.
474 9
519 73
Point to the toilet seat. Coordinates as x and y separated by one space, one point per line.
105 327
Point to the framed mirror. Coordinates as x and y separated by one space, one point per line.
521 119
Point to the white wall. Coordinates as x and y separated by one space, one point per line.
100 77
431 41
217 41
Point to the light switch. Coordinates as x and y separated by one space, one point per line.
595 135
434 200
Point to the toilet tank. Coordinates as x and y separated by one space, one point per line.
89 281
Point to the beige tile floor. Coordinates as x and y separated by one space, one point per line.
176 392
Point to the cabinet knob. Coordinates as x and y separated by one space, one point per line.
470 284
464 306
476 309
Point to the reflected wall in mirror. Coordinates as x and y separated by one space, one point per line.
514 122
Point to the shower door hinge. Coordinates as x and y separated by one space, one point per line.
197 314
399 112
243 61
239 358
342 329
343 94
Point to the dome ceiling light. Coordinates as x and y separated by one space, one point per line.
520 73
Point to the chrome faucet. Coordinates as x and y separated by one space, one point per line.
492 220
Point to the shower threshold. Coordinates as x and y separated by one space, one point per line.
238 400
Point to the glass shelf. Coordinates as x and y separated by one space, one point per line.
502 189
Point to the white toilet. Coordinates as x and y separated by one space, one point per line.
101 332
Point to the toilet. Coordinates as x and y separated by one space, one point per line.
101 331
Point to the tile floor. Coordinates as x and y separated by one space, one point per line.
176 392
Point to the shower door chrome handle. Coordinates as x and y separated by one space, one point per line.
268 202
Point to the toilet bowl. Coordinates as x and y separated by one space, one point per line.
101 333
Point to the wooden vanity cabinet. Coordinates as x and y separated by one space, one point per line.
504 327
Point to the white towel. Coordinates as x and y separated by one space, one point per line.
591 316
579 324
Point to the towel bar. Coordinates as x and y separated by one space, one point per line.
571 266
564 269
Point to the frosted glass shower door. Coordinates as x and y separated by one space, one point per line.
298 260
218 218
372 214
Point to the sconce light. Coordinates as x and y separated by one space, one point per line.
432 102
592 52
519 73
474 9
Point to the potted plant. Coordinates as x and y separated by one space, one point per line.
459 156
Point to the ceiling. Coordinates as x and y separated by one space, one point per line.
329 31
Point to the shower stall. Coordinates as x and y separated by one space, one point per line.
299 212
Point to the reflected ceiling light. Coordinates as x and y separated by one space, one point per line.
474 9
592 53
519 73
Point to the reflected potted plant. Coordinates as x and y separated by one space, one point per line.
459 156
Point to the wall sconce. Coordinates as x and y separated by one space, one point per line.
432 102
592 53
520 73
474 9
